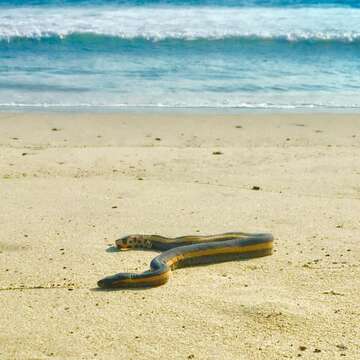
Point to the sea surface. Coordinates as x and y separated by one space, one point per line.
120 54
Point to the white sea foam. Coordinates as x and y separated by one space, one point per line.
188 23
264 106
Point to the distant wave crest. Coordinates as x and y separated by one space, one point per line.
104 39
185 23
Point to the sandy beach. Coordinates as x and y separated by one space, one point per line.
72 183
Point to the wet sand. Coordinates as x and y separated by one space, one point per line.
70 184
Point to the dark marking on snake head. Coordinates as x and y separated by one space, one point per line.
130 241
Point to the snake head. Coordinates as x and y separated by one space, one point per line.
130 242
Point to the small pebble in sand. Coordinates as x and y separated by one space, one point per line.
332 292
191 356
217 153
341 347
55 129
114 207
140 178
14 138
238 126
288 139
158 139
255 187
317 350
23 154
302 348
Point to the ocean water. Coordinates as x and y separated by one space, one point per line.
115 54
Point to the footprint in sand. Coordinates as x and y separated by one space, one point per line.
6 247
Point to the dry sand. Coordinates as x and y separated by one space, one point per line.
70 184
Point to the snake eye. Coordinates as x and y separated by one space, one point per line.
124 241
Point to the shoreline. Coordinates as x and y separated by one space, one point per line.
176 110
72 183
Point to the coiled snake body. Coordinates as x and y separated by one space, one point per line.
186 251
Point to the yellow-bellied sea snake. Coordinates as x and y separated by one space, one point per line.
186 251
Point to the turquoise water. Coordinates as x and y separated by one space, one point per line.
205 54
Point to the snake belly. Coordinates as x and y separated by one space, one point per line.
187 251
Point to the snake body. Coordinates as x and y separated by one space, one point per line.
186 251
